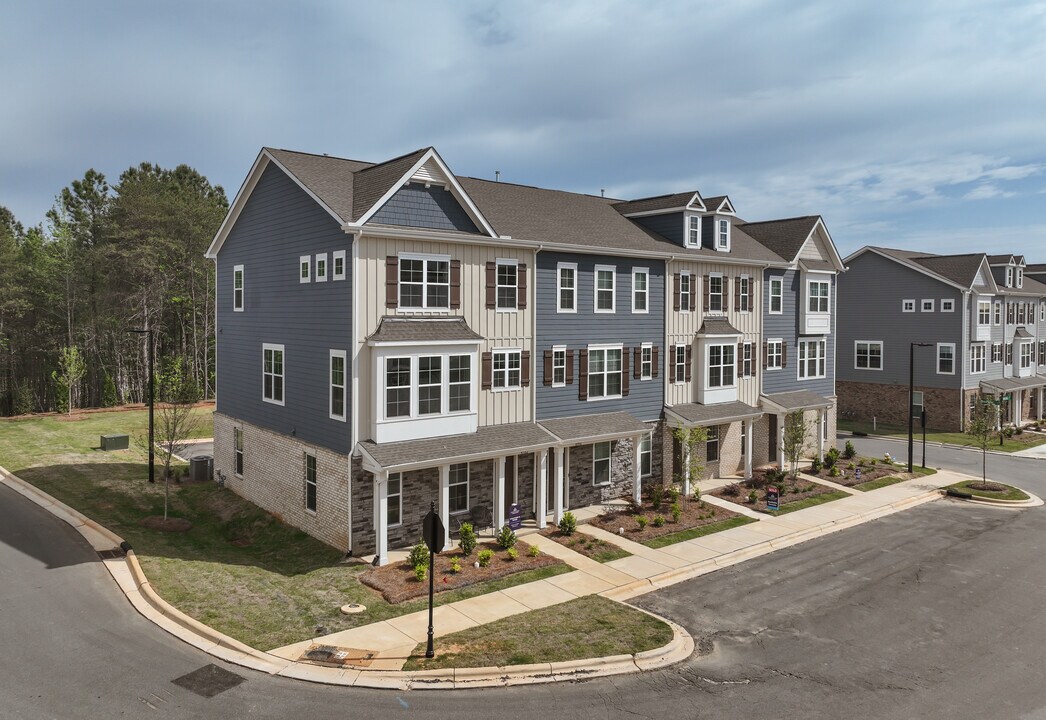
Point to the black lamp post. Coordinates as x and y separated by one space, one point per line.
911 399
152 389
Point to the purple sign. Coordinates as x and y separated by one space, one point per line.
515 516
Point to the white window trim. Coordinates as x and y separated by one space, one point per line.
650 347
506 351
927 301
555 349
992 356
588 374
676 363
779 279
498 263
645 272
610 465
708 364
984 358
237 270
980 304
559 287
340 255
648 438
809 296
1030 344
687 229
684 298
412 411
424 257
801 361
745 293
720 243
467 484
344 388
305 480
1020 277
938 368
869 343
283 376
780 354
1009 277
322 258
398 496
947 305
904 306
997 313
305 263
595 289
722 294
415 354
747 347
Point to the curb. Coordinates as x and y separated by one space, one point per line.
933 443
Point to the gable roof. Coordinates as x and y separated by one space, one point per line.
372 183
331 179
1000 259
719 204
672 201
787 237
958 270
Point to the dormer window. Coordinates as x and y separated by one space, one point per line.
693 234
722 234
1020 277
1009 277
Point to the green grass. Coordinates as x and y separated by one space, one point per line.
891 479
271 592
701 531
1017 442
1011 493
594 548
587 627
808 502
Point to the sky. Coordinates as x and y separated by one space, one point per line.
919 125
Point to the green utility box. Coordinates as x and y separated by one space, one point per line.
114 442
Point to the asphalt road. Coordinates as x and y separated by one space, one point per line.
935 612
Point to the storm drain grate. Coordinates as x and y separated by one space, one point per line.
337 656
111 554
209 681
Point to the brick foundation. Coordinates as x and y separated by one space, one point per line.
945 408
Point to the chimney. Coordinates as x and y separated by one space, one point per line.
602 192
497 176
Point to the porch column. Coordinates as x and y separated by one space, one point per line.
781 441
381 517
1038 405
749 426
444 502
541 486
1016 408
820 434
637 470
499 493
557 514
684 472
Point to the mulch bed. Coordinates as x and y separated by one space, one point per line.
791 490
987 487
591 547
694 514
847 475
396 581
171 524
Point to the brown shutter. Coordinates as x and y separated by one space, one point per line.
582 375
524 368
547 379
693 291
492 286
765 353
624 372
637 362
751 294
455 284
521 286
487 371
1009 313
740 360
737 293
726 293
653 361
675 292
392 281
705 306
570 367
784 354
689 362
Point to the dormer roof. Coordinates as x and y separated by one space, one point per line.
720 205
787 237
674 202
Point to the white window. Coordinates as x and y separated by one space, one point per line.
397 387
746 360
237 442
947 305
507 369
998 313
715 293
338 260
977 358
721 365
1042 312
645 455
817 296
567 299
984 312
601 463
774 354
1020 313
679 374
394 492
460 383
1026 355
684 292
430 385
272 373
996 352
811 359
604 373
907 306
311 482
712 444
1020 277
776 293
723 236
337 385
605 288
321 267
424 281
646 361
926 306
237 288
458 490
1009 277
694 230
744 287
640 290
559 366
305 268
868 355
945 358
507 279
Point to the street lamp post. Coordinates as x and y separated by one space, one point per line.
152 390
911 399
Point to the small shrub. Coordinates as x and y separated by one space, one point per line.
1009 432
659 521
673 494
831 457
702 504
1020 431
816 465
419 556
455 566
834 472
697 494
467 539
641 521
655 496
677 512
752 497
568 525
732 490
860 462
533 551
420 572
851 466
848 450
506 538
513 553
485 556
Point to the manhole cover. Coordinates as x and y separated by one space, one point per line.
352 609
337 656
209 680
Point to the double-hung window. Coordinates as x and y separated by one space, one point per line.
945 358
424 282
744 285
684 292
715 293
998 313
984 313
321 267
305 269
812 359
1042 312
868 355
679 364
237 288
746 360
977 358
567 296
694 230
460 386
458 489
774 354
817 300
559 366
721 365
604 373
646 361
1020 313
601 463
311 482
645 455
272 373
723 239
605 288
397 387
507 368
640 290
1026 355
712 444
237 441
996 352
430 385
337 385
338 262
394 493
776 295
507 281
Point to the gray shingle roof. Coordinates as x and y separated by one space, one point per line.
717 326
373 182
959 269
721 413
487 442
784 237
797 400
1006 384
403 329
660 202
331 179
999 259
1023 334
604 426
713 203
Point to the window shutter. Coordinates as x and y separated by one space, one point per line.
737 293
637 362
654 362
624 372
765 353
547 379
693 292
740 360
521 286
784 354
675 292
751 294
1009 313
487 371
582 375
492 286
455 284
705 306
392 281
570 367
726 294
689 361
524 368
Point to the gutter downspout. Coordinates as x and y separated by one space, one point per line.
534 341
967 304
354 423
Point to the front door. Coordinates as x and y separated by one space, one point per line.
773 438
510 482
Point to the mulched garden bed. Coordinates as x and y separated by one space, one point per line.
848 476
693 514
396 581
791 490
591 547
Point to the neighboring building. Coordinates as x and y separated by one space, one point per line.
983 318
391 335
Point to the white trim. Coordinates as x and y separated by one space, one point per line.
424 259
938 368
322 258
498 262
820 342
723 301
779 279
718 243
904 305
559 288
555 349
398 496
745 295
676 363
335 256
609 461
687 230
305 263
283 375
646 346
305 481
927 302
494 352
950 305
645 272
827 298
344 384
467 484
595 289
684 307
869 343
649 439
238 269
707 364
780 353
984 358
604 348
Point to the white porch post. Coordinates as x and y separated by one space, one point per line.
557 514
1016 406
381 517
444 502
499 493
781 441
749 426
541 486
1038 405
820 434
637 470
684 472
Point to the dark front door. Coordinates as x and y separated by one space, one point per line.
773 438
510 482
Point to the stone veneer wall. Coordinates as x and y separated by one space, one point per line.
582 492
274 479
888 403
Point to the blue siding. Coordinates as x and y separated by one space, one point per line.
578 330
669 226
279 224
415 205
786 327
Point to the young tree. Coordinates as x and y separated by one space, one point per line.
175 419
71 369
984 419
794 443
692 442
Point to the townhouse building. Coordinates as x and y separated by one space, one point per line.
392 335
981 318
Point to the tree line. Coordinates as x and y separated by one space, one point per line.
106 260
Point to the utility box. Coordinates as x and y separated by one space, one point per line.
200 468
114 442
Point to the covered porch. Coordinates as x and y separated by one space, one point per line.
689 415
1022 393
779 405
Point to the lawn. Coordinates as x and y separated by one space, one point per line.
787 507
1012 444
891 479
682 536
591 547
1008 492
587 627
